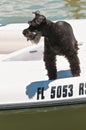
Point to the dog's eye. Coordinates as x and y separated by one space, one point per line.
34 33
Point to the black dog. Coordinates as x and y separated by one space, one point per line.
58 40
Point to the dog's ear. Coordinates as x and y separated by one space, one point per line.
41 19
36 13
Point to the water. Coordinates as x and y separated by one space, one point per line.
19 11
64 118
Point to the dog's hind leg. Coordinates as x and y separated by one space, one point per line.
74 63
50 61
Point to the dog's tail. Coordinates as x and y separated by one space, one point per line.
76 46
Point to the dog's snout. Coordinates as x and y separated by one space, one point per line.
24 32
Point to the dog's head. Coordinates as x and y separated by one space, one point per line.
34 32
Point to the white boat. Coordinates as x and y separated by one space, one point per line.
23 77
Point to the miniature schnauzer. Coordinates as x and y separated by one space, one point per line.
59 39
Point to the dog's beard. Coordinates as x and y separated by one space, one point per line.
36 38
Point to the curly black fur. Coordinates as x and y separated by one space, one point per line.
59 39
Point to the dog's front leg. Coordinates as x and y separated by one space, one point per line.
50 60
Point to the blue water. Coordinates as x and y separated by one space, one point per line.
19 11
